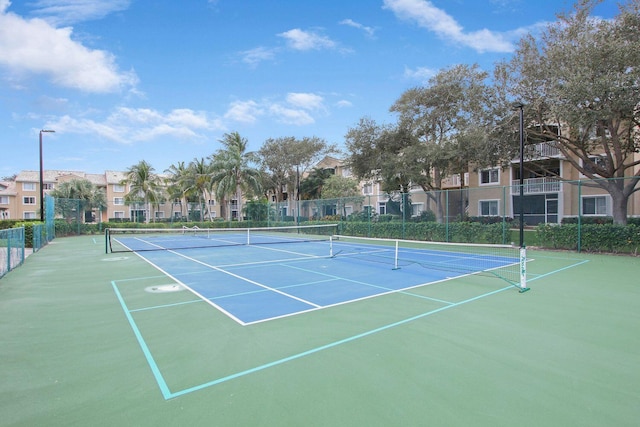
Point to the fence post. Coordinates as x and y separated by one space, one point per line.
504 214
579 215
404 214
369 213
446 210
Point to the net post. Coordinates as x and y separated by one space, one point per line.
395 262
330 246
523 269
248 237
106 240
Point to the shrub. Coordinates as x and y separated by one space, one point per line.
610 238
588 220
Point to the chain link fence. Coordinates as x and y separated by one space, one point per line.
486 214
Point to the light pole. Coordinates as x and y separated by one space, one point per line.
297 194
520 107
42 177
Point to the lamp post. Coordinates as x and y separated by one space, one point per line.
520 107
42 177
298 194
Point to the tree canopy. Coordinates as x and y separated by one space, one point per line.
78 195
286 159
579 82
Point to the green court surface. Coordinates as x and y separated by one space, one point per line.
95 339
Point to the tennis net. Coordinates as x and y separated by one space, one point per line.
155 239
503 261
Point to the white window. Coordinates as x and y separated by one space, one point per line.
4 200
29 186
159 214
118 214
595 205
47 185
118 188
28 200
211 202
382 208
367 188
346 172
490 176
488 208
599 161
29 215
118 200
416 209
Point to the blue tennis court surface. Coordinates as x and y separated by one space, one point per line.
256 283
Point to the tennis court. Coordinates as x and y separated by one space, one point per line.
277 272
317 332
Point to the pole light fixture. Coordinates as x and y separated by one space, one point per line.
520 107
42 176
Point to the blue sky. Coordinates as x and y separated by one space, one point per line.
127 80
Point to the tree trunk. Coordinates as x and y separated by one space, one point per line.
223 208
239 202
619 198
619 207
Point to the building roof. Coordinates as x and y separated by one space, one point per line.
60 175
8 188
114 177
329 162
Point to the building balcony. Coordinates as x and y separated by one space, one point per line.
541 150
537 186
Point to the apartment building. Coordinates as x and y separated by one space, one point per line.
20 199
376 201
552 189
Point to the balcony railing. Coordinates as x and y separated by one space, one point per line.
537 186
542 150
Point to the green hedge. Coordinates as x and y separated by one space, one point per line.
460 232
594 237
610 238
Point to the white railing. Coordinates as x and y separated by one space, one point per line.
537 186
541 150
455 181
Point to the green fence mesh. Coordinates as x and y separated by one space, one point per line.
11 249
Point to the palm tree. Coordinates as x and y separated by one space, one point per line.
311 186
198 180
78 195
177 187
143 183
232 170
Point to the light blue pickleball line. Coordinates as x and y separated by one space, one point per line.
167 394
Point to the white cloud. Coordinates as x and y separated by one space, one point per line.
426 15
343 103
254 56
369 31
297 108
307 40
291 116
127 125
64 12
423 74
33 46
244 111
307 101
